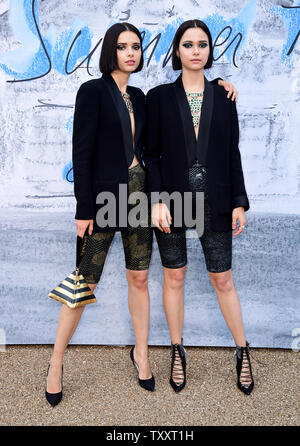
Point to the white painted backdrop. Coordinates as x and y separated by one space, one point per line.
47 49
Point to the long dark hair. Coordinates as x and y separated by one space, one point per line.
108 58
176 63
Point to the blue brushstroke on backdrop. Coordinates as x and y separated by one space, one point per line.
69 124
240 24
68 166
30 59
79 50
291 20
65 170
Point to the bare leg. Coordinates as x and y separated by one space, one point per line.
139 307
230 307
173 301
174 308
229 304
67 324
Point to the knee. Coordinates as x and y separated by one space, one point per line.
175 278
223 284
137 279
92 286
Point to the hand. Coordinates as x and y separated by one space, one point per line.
230 88
238 214
81 226
161 217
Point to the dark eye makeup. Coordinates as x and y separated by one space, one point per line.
189 45
120 46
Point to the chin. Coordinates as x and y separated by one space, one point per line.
195 67
128 69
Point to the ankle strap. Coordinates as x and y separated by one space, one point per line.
240 349
243 347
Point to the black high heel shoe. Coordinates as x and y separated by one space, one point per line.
178 353
243 368
148 384
55 398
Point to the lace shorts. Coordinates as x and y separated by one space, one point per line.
217 246
137 242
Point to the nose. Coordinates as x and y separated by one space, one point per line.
195 50
130 52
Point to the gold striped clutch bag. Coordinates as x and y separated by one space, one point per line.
73 290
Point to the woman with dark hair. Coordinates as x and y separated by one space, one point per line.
109 123
107 140
192 146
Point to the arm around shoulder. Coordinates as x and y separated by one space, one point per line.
215 81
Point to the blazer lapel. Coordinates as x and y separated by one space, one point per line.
205 121
138 110
122 112
185 114
191 143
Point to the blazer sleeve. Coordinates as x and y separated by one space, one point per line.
151 154
83 143
239 194
215 81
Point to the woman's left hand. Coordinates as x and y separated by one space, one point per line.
230 88
238 214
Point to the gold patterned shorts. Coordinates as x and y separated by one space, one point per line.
137 242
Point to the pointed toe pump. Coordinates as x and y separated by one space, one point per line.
54 398
245 381
178 367
148 384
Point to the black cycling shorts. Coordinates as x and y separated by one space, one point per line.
217 246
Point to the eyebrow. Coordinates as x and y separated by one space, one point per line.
190 41
125 43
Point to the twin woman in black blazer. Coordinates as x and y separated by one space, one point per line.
178 161
102 143
171 148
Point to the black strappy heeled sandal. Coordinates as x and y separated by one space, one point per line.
243 368
178 366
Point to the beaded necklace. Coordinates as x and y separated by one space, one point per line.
128 102
195 102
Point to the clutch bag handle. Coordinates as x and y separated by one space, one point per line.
81 245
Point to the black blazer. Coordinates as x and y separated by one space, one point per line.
101 139
170 136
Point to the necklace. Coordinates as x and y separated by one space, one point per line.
128 102
195 102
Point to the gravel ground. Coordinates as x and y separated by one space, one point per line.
100 388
